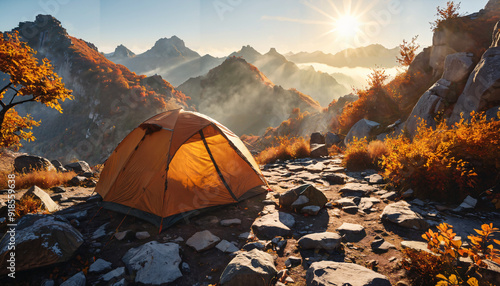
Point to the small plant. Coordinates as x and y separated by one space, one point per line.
285 148
443 268
28 205
361 155
445 13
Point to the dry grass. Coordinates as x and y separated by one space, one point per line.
28 205
285 149
43 179
377 149
361 155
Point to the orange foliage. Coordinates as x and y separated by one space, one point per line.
360 155
285 148
443 14
446 162
43 179
407 52
28 205
30 81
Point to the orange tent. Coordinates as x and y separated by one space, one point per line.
174 165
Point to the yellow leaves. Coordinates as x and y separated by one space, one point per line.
451 281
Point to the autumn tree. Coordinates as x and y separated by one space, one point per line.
445 13
29 80
407 52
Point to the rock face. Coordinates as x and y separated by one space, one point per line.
320 240
29 163
314 197
252 268
154 263
202 240
482 88
42 240
401 214
363 128
325 273
273 224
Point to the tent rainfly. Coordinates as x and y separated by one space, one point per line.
176 164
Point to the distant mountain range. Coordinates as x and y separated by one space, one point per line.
241 97
169 57
369 56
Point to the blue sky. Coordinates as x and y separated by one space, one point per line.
219 27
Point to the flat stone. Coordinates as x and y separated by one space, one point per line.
334 179
273 224
254 267
120 271
230 222
389 196
401 214
100 232
311 210
293 261
316 168
254 245
320 240
379 245
365 204
351 232
202 240
43 197
351 209
356 190
326 273
121 235
76 280
346 202
142 235
374 179
226 246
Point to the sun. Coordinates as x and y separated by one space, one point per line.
346 26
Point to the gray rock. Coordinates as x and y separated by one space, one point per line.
226 246
350 209
254 245
311 210
401 214
252 268
273 224
356 190
407 194
316 168
335 179
492 113
320 240
43 197
389 196
76 280
438 56
300 201
293 261
468 203
351 232
142 235
379 245
346 202
326 273
79 167
185 267
374 179
230 222
319 150
415 245
154 263
100 232
315 196
100 265
121 282
317 138
53 238
77 180
120 271
362 128
482 86
58 190
458 66
365 204
121 235
29 163
332 139
426 109
202 240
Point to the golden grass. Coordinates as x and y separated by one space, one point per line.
285 149
28 205
361 155
43 179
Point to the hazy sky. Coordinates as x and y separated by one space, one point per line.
220 27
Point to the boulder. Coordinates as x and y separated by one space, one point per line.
320 240
437 57
29 163
44 198
482 88
363 128
315 196
252 268
77 180
273 224
356 190
401 214
351 232
76 280
59 167
317 138
202 240
326 273
41 240
79 167
426 109
154 263
420 64
458 66
319 150
332 139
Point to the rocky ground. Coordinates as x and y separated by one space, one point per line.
361 223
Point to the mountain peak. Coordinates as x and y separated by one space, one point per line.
172 47
42 23
123 52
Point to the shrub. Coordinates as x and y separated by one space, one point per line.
444 268
285 148
361 155
446 163
28 205
43 179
